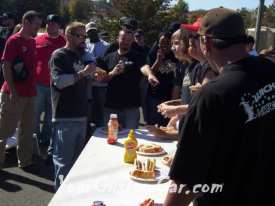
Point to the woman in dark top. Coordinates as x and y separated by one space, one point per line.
163 64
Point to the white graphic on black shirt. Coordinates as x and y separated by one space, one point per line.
167 67
260 103
78 66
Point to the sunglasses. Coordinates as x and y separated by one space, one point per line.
79 36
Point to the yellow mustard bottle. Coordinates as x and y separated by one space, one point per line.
130 145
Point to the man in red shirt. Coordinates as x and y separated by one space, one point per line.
17 97
46 44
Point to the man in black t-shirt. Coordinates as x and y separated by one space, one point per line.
226 155
123 96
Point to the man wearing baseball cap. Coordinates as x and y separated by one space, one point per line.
95 48
46 44
226 152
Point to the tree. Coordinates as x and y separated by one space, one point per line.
269 16
249 17
19 7
80 10
178 12
194 15
153 16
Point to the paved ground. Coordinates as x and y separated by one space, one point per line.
20 188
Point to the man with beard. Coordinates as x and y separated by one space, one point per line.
69 100
17 98
124 67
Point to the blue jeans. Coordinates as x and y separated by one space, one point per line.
43 104
128 118
143 94
68 142
98 101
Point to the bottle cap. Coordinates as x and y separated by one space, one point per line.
112 116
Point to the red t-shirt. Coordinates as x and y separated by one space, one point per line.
24 49
45 46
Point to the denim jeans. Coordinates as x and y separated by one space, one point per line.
128 118
68 142
98 101
43 104
143 94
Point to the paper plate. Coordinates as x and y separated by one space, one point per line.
163 152
160 178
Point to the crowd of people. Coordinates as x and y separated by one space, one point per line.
203 79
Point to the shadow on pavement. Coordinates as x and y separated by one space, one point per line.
10 187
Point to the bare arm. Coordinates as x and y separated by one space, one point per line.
179 195
62 81
146 71
158 61
117 70
176 92
8 77
208 76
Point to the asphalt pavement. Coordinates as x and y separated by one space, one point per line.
21 188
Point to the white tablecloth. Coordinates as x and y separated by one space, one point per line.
100 174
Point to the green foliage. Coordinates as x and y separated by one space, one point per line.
193 15
178 12
20 7
249 17
269 16
79 10
153 16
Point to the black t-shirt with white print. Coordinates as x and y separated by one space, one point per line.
228 137
71 101
123 89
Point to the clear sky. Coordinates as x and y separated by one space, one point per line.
233 4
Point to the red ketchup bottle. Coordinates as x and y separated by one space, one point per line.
112 129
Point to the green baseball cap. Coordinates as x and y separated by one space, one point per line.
222 23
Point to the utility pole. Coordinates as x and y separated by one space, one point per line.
258 24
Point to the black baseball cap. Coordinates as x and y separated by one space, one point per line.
130 23
54 18
139 32
222 23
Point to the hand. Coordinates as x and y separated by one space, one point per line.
89 69
100 74
168 110
13 96
160 56
162 132
119 68
148 202
152 79
173 121
195 88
